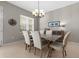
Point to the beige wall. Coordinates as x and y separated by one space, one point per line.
44 22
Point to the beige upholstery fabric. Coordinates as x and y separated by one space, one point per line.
36 39
65 39
26 36
49 34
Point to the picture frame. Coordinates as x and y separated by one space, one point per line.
54 24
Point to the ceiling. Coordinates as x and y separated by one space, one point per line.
45 5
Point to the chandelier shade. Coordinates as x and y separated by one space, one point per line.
38 13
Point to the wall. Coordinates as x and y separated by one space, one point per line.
69 15
44 22
12 33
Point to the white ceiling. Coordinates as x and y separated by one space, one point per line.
45 5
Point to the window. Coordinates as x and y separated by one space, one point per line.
26 23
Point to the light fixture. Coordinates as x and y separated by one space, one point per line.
62 25
38 13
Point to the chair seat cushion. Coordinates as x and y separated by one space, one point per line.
56 45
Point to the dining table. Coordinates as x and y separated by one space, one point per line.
50 37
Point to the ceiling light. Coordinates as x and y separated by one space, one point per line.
38 13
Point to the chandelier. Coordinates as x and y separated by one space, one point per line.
38 13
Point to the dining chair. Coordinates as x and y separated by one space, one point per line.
28 41
61 32
49 34
62 45
42 31
38 43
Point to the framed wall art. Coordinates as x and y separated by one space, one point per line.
54 24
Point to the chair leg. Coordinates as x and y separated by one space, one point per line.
35 51
48 43
41 53
65 53
29 48
26 47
